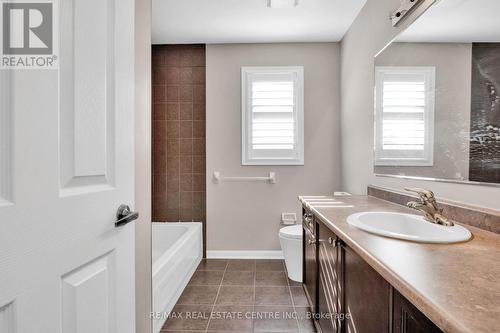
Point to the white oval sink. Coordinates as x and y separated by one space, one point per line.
408 227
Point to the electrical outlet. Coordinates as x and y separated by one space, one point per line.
288 218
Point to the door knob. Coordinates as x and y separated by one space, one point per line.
124 216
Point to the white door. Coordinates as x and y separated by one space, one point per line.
66 164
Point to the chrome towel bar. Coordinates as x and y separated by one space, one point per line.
218 178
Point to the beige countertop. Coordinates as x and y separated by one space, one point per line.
456 285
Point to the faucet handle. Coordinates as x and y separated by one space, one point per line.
424 194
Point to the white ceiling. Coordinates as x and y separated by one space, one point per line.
463 21
251 21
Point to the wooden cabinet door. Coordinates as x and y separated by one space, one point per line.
310 266
366 296
329 281
408 319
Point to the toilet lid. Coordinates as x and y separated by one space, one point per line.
293 231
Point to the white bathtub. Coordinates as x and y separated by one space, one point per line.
177 251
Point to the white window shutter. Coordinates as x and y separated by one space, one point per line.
404 116
272 116
273 123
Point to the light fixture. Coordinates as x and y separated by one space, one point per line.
282 3
407 6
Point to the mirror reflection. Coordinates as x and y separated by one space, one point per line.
437 96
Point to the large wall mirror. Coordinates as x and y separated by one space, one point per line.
437 96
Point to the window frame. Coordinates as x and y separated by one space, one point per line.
246 115
381 159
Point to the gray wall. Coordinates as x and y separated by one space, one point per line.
452 62
143 165
370 32
246 216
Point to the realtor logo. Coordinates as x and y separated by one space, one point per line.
28 35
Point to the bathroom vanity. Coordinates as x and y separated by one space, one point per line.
359 282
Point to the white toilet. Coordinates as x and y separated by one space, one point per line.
291 245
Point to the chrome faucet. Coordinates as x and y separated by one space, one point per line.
429 207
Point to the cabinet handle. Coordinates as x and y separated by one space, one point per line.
333 241
310 242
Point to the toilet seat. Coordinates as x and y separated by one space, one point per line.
291 232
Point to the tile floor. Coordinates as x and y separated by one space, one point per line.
240 296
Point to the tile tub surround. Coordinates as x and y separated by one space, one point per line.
454 285
178 128
486 219
230 289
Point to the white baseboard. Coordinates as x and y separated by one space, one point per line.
245 255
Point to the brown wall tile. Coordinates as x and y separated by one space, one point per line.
199 146
159 197
172 215
198 111
173 147
199 183
172 75
173 129
172 93
173 111
186 93
186 75
159 75
173 184
186 111
186 57
199 129
186 183
186 200
200 216
159 93
158 60
199 201
159 131
173 166
199 164
187 146
199 94
186 215
159 160
198 58
173 200
179 174
159 111
199 75
186 129
186 164
171 58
